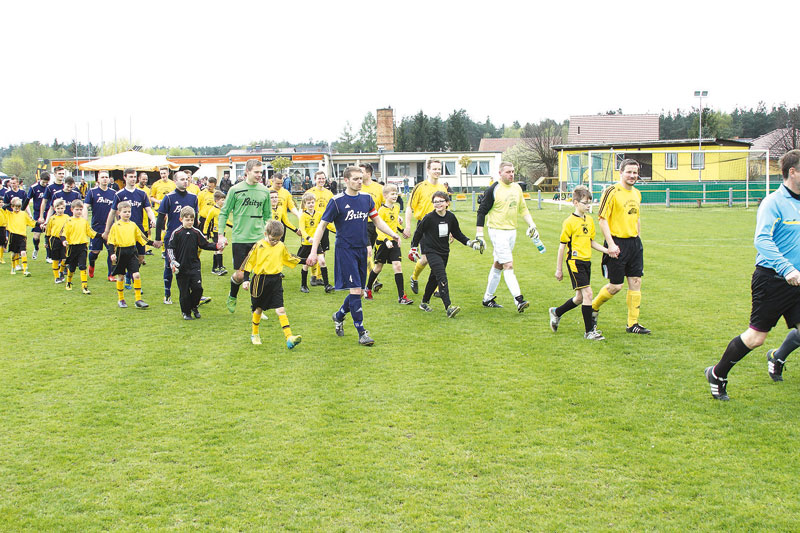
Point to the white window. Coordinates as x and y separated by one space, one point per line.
671 160
618 159
479 168
698 160
449 168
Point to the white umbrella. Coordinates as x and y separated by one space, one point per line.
131 159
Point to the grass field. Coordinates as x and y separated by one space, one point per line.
131 420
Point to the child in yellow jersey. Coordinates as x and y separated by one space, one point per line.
386 250
17 222
123 236
308 226
75 237
144 179
264 262
52 232
279 212
577 239
3 240
211 230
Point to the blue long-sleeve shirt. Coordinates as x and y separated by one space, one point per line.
777 237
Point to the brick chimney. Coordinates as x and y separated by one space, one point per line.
386 129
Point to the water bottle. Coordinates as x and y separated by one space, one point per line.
539 244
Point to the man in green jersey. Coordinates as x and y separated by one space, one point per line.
247 206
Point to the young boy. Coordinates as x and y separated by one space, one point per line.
211 230
577 236
52 232
264 262
185 264
17 220
75 236
3 238
124 236
386 250
308 226
433 232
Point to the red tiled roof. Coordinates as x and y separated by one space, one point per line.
497 145
612 128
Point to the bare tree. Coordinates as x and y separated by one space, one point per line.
790 137
538 140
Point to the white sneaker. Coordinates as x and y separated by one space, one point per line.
167 300
594 335
35 254
554 319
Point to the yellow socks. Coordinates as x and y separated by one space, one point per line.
2 252
84 280
120 289
634 301
316 272
256 322
24 263
137 288
55 269
602 297
417 271
284 320
69 276
62 266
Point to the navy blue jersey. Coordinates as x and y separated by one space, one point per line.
349 214
48 195
68 197
101 203
139 202
171 206
35 197
19 193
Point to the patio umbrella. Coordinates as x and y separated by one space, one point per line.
131 159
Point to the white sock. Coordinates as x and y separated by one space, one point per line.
494 281
511 281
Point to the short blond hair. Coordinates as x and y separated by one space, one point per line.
186 211
57 203
274 228
76 203
308 196
389 187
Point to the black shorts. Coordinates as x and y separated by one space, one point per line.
57 250
304 251
17 243
127 261
372 233
384 254
76 257
201 222
266 292
240 252
3 236
773 298
580 273
97 243
324 242
629 264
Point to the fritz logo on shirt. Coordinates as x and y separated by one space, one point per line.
249 202
352 215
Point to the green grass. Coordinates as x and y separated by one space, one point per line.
129 419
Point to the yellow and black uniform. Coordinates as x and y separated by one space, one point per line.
52 232
205 201
161 188
3 224
375 190
620 208
146 220
123 236
265 262
77 232
211 224
390 215
17 224
421 203
193 188
280 212
502 204
322 196
308 226
577 233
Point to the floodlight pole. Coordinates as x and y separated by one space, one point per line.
700 95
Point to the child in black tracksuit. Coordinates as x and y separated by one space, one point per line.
433 232
183 258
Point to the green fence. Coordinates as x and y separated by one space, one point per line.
689 193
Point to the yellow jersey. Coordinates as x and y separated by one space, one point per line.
308 226
508 204
205 201
77 230
193 188
267 259
146 189
161 188
375 190
390 215
285 199
3 217
16 222
577 233
55 225
620 208
421 203
279 214
124 234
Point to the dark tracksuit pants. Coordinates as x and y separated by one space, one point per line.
190 285
437 278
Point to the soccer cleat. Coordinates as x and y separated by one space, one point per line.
140 304
231 303
35 254
26 273
492 303
376 286
222 271
85 290
19 267
91 271
195 313
122 304
414 286
59 279
329 288
338 326
425 307
718 386
204 300
255 339
49 261
68 286
452 311
112 279
167 300
555 319
365 340
639 329
128 286
304 289
187 316
316 282
521 306
293 341
594 335
149 252
368 296
774 366
405 300
14 272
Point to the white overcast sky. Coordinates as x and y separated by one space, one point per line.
198 73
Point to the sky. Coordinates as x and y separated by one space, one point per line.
181 73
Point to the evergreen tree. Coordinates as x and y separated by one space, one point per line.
457 140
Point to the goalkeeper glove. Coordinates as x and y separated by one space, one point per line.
413 254
476 244
532 232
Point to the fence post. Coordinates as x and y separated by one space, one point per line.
730 197
667 198
539 197
704 193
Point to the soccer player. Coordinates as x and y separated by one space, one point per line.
59 174
211 231
161 187
75 237
3 233
142 184
434 232
14 191
205 201
53 228
307 226
127 239
100 199
16 222
247 204
182 246
387 250
619 220
775 285
577 240
502 202
264 261
191 186
420 205
279 211
323 196
35 196
69 194
285 201
348 211
374 189
169 211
